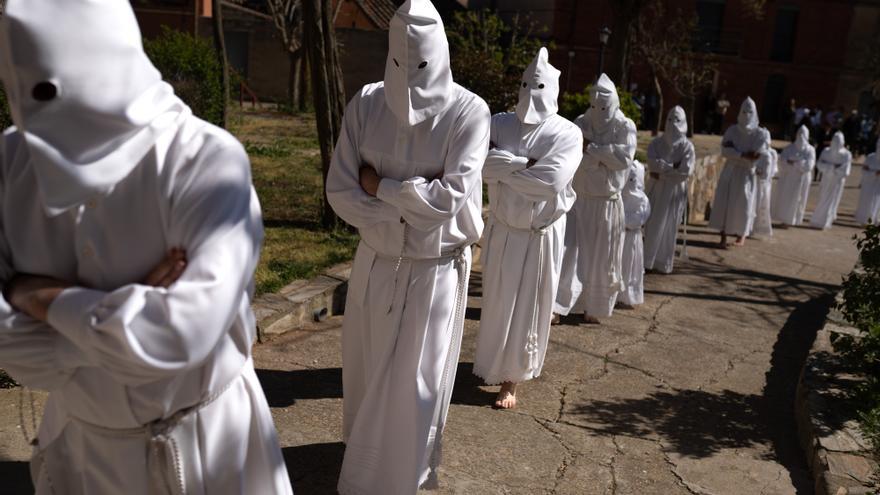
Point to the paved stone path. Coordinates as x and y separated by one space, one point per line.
690 394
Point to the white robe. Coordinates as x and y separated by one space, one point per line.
668 197
591 268
523 246
835 168
766 170
732 209
793 187
869 196
637 209
406 299
118 356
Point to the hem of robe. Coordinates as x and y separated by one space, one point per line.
633 297
491 379
664 268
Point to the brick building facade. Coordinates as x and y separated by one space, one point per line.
809 50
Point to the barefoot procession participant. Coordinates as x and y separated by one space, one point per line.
671 160
795 176
130 233
733 207
637 209
869 196
529 171
766 168
591 268
835 163
406 173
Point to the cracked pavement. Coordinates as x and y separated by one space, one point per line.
691 393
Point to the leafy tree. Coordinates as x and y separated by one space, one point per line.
489 55
664 40
190 64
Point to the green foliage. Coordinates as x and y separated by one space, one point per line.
5 118
190 64
571 105
861 293
490 55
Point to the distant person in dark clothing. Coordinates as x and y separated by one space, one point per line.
788 115
850 128
722 104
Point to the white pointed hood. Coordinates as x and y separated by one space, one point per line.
802 141
748 115
418 78
538 91
676 125
838 143
88 102
604 102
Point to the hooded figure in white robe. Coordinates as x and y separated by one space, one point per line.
529 172
835 163
869 196
765 170
734 204
795 177
671 161
424 139
591 268
637 209
152 388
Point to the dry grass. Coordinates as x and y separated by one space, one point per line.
287 176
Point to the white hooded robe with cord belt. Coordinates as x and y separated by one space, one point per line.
151 390
671 157
428 138
835 163
734 203
637 209
869 196
765 170
529 174
591 267
795 177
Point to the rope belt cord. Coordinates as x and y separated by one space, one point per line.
164 459
531 348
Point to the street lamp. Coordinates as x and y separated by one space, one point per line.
604 34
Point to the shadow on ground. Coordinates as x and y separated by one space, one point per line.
16 478
699 423
314 468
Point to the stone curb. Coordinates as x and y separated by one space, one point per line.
301 301
836 451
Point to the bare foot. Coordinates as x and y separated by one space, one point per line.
506 398
740 241
723 242
555 319
590 320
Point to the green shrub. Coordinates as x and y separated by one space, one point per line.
190 64
571 105
860 307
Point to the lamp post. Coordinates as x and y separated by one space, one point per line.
604 34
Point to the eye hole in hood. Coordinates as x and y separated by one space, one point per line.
44 91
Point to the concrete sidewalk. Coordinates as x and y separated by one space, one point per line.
691 393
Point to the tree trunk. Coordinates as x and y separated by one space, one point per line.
327 93
625 12
220 47
689 104
294 80
658 119
305 84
